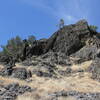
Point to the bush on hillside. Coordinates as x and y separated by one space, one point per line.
16 46
93 27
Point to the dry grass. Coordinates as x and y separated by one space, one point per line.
49 85
83 66
23 97
46 85
29 96
74 82
75 67
67 98
1 66
84 84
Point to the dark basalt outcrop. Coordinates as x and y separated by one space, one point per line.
68 39
37 48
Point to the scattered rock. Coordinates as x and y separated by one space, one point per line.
43 74
75 94
21 73
11 91
6 71
68 70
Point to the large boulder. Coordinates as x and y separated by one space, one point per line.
95 69
86 53
90 51
4 59
56 58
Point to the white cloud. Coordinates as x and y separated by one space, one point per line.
69 17
69 10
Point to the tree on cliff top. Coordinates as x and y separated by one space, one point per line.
61 23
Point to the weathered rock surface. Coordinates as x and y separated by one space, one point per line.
90 51
11 91
75 94
68 39
20 73
95 69
6 71
37 48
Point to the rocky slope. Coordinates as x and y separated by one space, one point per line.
73 51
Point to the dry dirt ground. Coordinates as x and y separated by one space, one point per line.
44 86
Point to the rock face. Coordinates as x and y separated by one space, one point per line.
90 51
37 48
68 39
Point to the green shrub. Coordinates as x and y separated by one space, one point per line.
94 28
14 47
31 39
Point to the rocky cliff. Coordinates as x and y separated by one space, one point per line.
68 40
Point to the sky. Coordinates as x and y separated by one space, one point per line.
40 17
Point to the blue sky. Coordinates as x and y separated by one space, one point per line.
40 17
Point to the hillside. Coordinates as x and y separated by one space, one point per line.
65 66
